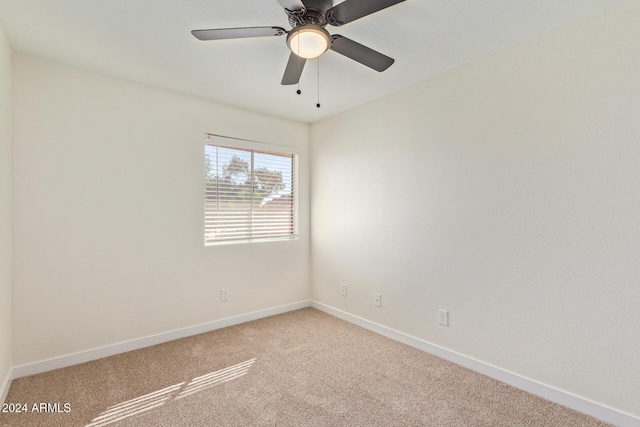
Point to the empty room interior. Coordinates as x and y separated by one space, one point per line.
451 182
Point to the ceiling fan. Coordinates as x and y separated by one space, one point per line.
308 37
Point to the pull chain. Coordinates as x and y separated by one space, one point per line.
318 104
299 70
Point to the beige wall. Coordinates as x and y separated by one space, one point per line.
5 211
108 214
507 192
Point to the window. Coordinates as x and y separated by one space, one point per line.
250 191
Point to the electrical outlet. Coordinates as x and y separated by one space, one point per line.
224 295
343 290
377 300
443 317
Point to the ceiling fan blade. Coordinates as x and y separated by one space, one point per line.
294 70
291 4
350 10
360 53
238 33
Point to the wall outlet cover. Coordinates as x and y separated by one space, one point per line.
443 317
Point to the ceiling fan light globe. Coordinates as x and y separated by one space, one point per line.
309 41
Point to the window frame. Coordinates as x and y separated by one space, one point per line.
255 147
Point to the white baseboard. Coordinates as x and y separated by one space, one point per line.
110 350
4 386
553 394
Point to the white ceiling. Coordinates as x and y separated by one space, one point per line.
149 41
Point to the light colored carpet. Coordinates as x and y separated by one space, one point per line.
303 368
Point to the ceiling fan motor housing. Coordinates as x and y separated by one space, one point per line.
313 13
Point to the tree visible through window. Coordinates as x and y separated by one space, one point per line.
249 192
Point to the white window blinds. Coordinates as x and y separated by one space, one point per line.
250 192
